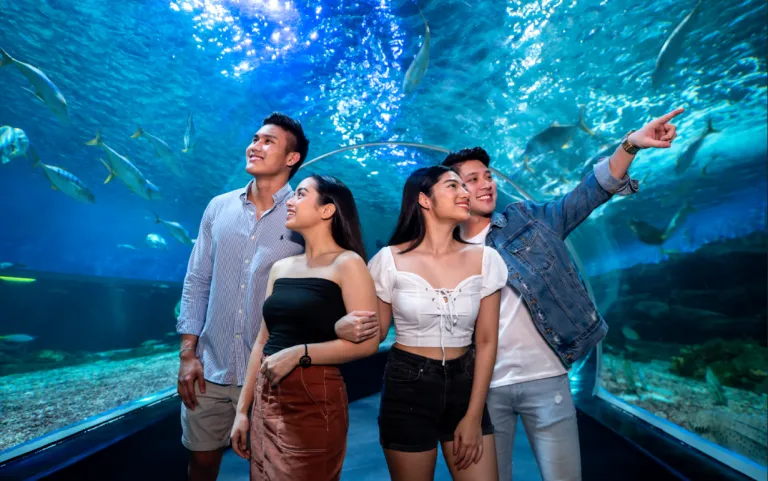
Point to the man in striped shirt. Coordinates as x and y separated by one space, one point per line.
242 234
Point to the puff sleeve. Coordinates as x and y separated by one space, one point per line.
383 273
494 272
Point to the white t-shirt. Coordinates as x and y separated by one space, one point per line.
523 354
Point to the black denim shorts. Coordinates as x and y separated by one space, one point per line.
423 401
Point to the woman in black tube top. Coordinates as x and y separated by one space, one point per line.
299 406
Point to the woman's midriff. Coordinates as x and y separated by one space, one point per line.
434 352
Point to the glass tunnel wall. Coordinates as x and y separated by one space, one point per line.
92 270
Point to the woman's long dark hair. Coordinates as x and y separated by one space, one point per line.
345 224
411 226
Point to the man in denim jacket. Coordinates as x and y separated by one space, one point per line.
547 320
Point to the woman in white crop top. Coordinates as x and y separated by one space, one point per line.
444 296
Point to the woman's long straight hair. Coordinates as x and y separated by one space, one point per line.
411 225
345 224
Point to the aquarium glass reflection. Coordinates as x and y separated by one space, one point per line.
119 121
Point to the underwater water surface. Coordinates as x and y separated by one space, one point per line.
90 279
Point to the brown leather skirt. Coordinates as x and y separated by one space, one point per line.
299 427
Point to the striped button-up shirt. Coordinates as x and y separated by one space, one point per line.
227 278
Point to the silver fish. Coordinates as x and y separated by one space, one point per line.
418 66
190 135
678 219
8 265
156 241
122 168
671 49
64 181
555 137
177 231
13 143
45 90
685 160
17 338
162 150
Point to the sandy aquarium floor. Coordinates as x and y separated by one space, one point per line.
739 426
37 403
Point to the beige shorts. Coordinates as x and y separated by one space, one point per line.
208 426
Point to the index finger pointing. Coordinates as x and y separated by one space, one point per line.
666 118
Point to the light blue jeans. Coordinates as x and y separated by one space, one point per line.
549 417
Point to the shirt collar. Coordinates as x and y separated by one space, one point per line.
279 197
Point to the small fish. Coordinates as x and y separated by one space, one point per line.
685 160
10 265
555 137
673 46
678 219
17 280
13 143
418 66
177 231
190 135
126 246
45 90
715 388
64 181
156 241
18 338
647 233
122 168
630 333
162 150
177 311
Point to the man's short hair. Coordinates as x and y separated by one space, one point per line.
297 141
453 159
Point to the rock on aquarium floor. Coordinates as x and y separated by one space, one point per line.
36 403
739 426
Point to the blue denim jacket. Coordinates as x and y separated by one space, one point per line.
529 236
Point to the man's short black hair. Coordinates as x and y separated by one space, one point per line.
297 141
476 153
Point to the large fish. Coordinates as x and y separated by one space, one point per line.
685 160
190 135
177 231
13 143
671 49
647 233
45 90
418 66
122 168
64 180
162 150
555 137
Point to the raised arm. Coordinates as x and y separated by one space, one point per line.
609 177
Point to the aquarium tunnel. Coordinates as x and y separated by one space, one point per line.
120 121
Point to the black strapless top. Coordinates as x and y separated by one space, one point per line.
302 310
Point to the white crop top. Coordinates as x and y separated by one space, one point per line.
429 317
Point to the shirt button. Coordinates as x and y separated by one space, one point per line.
253 237
240 311
237 336
242 286
247 261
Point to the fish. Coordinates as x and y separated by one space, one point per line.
686 159
44 89
64 181
156 241
715 388
9 265
630 333
176 313
13 143
741 433
647 233
122 168
555 137
177 231
162 150
418 66
678 219
17 280
17 338
126 246
673 46
190 135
